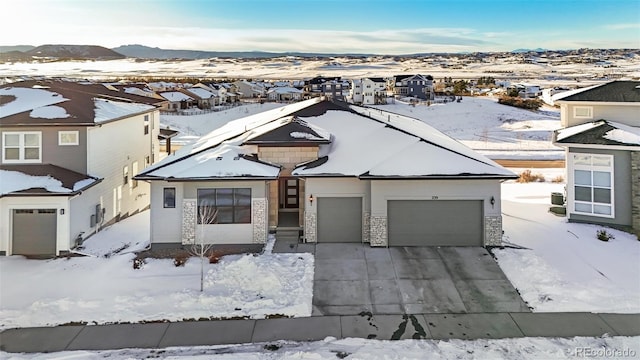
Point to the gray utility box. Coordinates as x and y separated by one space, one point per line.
557 198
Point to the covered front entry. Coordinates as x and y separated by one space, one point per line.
339 219
435 222
34 232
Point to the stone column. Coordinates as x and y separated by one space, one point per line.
310 226
189 218
259 220
493 230
378 225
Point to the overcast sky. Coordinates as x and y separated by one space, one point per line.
336 26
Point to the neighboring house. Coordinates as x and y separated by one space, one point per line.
204 98
247 90
418 86
281 93
176 100
601 134
374 91
526 91
355 93
330 87
329 170
69 152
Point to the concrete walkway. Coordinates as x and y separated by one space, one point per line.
383 327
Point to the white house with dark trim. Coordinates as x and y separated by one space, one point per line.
601 134
69 152
331 172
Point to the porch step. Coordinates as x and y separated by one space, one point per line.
288 234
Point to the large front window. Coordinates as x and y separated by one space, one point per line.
22 147
593 184
230 206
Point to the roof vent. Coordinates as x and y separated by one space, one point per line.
219 158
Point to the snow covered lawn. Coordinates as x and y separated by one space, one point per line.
565 267
100 289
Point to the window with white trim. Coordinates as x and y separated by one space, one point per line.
66 138
593 184
583 112
22 147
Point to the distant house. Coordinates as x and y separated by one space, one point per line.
204 98
601 134
330 87
527 91
281 93
355 93
247 90
418 86
177 100
329 170
69 154
374 91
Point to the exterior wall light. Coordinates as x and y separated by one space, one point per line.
492 201
61 211
311 199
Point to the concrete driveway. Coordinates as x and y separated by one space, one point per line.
355 278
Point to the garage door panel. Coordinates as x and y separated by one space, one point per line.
435 223
339 219
34 232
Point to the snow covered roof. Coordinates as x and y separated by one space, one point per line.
58 102
284 90
202 93
354 141
614 91
599 132
42 179
369 143
224 161
175 96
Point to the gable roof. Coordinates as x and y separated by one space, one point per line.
364 142
290 131
615 91
599 132
60 102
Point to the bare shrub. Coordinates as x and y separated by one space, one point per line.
527 176
558 179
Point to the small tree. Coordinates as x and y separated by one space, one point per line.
206 215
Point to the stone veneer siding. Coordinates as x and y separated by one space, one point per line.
189 221
493 230
635 191
310 227
259 220
366 227
378 225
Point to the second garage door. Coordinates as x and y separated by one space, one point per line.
339 219
435 223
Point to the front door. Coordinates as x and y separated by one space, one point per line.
289 193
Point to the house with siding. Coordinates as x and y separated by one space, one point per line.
321 170
418 86
601 135
69 153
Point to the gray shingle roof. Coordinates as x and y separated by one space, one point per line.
615 91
